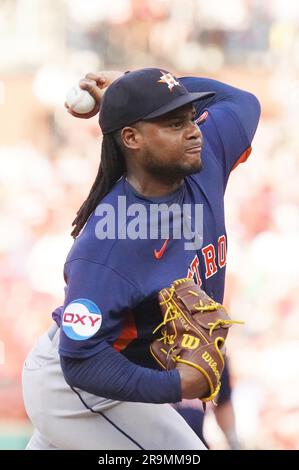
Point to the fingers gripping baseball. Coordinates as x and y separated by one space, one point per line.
84 100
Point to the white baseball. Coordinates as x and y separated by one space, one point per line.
80 100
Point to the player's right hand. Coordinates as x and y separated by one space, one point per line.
95 83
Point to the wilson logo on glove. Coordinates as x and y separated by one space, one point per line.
213 364
190 342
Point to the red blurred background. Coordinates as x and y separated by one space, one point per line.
49 160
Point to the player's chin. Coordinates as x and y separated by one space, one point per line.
192 162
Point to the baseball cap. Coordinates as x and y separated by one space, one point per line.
142 95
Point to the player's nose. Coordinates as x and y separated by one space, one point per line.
194 132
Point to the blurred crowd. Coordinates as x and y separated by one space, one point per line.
49 160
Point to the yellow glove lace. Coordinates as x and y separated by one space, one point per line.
210 308
170 315
222 323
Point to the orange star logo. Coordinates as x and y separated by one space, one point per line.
169 80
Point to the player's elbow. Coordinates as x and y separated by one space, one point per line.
248 105
248 110
254 104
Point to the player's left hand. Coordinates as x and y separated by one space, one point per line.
193 333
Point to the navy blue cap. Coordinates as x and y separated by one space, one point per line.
142 95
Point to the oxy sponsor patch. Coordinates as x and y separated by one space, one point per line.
81 319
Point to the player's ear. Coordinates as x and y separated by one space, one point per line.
131 138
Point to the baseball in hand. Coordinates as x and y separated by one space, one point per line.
80 100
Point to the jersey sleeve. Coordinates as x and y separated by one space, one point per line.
232 116
93 314
96 301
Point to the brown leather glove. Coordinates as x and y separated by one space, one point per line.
193 332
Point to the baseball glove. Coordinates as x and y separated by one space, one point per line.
193 332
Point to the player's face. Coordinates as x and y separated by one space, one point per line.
171 144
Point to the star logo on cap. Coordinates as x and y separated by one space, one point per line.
169 80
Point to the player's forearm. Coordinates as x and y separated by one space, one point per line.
110 375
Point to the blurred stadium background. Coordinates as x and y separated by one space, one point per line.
48 161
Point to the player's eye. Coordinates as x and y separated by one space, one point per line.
177 124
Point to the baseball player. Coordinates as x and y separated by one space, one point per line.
90 382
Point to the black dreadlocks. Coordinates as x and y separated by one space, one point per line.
111 168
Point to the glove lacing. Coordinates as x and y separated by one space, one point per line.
172 314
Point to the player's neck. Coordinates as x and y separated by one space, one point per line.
153 186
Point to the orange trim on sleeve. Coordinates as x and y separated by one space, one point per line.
127 335
243 158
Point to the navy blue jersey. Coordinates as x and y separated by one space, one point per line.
112 284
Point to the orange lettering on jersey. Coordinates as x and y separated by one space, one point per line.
209 257
221 251
194 271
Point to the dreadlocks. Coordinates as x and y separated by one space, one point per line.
111 168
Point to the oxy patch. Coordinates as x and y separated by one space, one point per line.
81 319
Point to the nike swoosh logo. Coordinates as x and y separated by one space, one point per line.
159 253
